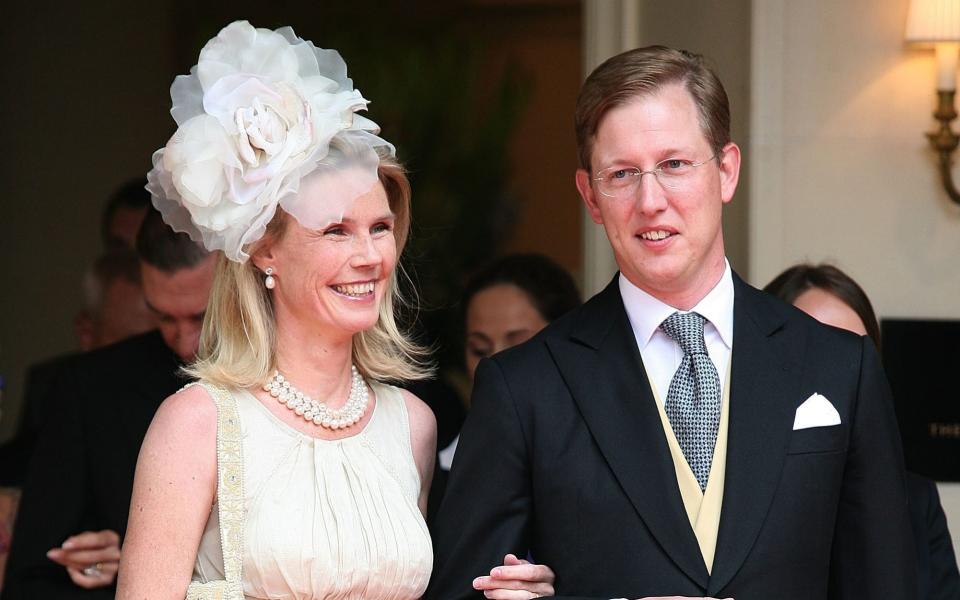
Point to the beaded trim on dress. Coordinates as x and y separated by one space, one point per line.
229 499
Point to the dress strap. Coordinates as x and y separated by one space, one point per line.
229 498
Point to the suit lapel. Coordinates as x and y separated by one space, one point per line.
601 366
765 371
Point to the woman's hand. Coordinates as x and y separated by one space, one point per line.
91 557
516 579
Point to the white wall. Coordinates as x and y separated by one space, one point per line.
840 169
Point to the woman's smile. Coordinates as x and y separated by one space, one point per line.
362 290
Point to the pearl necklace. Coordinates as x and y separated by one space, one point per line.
317 412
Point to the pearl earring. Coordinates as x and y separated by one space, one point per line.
269 282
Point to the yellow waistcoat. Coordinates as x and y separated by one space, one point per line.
703 507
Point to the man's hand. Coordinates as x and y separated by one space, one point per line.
517 579
91 558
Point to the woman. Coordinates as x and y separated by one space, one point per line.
510 300
829 295
505 303
321 494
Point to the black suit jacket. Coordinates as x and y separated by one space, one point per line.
936 563
563 454
37 398
81 474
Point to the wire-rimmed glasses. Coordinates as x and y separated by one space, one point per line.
672 173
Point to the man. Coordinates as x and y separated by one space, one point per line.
681 433
114 309
73 513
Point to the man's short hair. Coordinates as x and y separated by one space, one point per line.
642 72
161 247
132 195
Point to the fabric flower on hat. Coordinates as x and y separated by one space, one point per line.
259 112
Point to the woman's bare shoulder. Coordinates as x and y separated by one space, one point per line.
191 412
421 415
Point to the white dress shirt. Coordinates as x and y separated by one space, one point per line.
661 355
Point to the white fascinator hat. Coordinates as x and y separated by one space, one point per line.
262 116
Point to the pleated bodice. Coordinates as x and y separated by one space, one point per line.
327 519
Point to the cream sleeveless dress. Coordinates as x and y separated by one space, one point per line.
327 519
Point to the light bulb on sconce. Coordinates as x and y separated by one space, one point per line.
947 53
937 22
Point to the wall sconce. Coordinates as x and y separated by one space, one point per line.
937 22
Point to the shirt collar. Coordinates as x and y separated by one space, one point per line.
646 312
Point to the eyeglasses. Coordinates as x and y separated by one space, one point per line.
672 173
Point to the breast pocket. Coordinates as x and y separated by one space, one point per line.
818 440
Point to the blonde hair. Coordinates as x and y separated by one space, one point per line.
238 339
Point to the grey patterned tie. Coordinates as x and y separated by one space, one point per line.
693 401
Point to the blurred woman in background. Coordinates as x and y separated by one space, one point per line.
829 295
510 300
506 303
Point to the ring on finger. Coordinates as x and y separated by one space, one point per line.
93 570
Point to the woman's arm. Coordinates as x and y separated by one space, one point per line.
173 491
423 438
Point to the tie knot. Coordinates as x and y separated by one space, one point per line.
686 329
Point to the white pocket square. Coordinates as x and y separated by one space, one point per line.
816 411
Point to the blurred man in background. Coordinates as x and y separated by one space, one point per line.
73 512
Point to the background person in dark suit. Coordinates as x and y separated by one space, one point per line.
113 310
830 296
938 578
73 512
682 433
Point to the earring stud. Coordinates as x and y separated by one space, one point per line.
269 282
